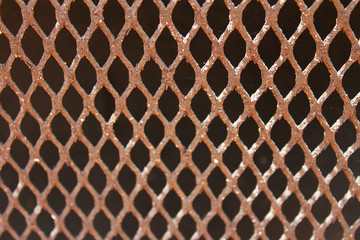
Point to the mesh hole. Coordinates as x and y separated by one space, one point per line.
140 155
32 45
295 159
123 129
109 154
4 201
253 17
132 47
354 163
46 21
261 206
148 17
41 102
281 133
299 107
313 134
217 77
169 104
263 157
30 128
99 46
17 221
332 108
126 179
231 205
325 18
56 200
269 48
184 77
185 131
86 75
73 223
277 183
201 156
247 182
118 76
326 160
79 16
27 199
304 229
45 222
351 211
201 105
216 181
79 154
334 231
345 135
114 202
61 128
339 186
151 76
289 18
217 131
284 78
10 102
186 181
170 155
73 102
218 17
216 227
166 47
251 77
183 17
321 209
249 132
202 204
38 177
105 103
67 178
97 178
4 130
266 106
172 203
274 229
130 225
20 153
308 184
291 207
305 41
65 46
245 228
114 16
156 180
137 104
85 201
200 47
101 224
21 75
11 15
158 225
235 48
354 19
5 48
187 226
339 50
143 203
92 129
350 82
53 74
232 157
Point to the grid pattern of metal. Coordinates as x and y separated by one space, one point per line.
179 119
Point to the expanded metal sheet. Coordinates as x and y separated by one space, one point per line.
179 119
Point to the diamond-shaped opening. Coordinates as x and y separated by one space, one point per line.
158 225
313 134
261 206
61 128
61 236
127 179
11 15
67 178
101 224
186 181
185 131
56 200
169 104
130 225
109 154
143 203
183 17
281 133
269 48
351 211
309 2
200 47
4 130
299 107
86 75
354 163
114 202
73 223
114 16
33 236
97 178
263 157
232 157
325 18
53 74
88 236
66 46
245 228
154 130
156 180
350 80
46 21
27 199
295 159
217 131
187 226
354 19
247 182
172 203
231 205
339 185
249 132
201 105
266 106
132 46
339 50
38 177
284 78
184 77
201 156
326 161
253 17
235 48
334 231
41 102
251 77
20 153
140 155
79 16
291 207
151 76
166 47
305 41
137 104
118 75
274 229
148 17
123 129
202 204
85 201
5 48
73 102
233 106
99 46
217 77
45 222
21 74
30 128
170 155
17 221
304 229
105 103
332 108
289 18
308 184
346 135
216 227
32 45
218 17
321 209
277 183
216 181
79 154
92 129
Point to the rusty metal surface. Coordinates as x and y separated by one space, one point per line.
55 210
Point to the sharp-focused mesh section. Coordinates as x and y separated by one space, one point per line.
179 119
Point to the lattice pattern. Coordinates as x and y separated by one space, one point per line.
179 119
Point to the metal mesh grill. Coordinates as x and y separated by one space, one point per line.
179 119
